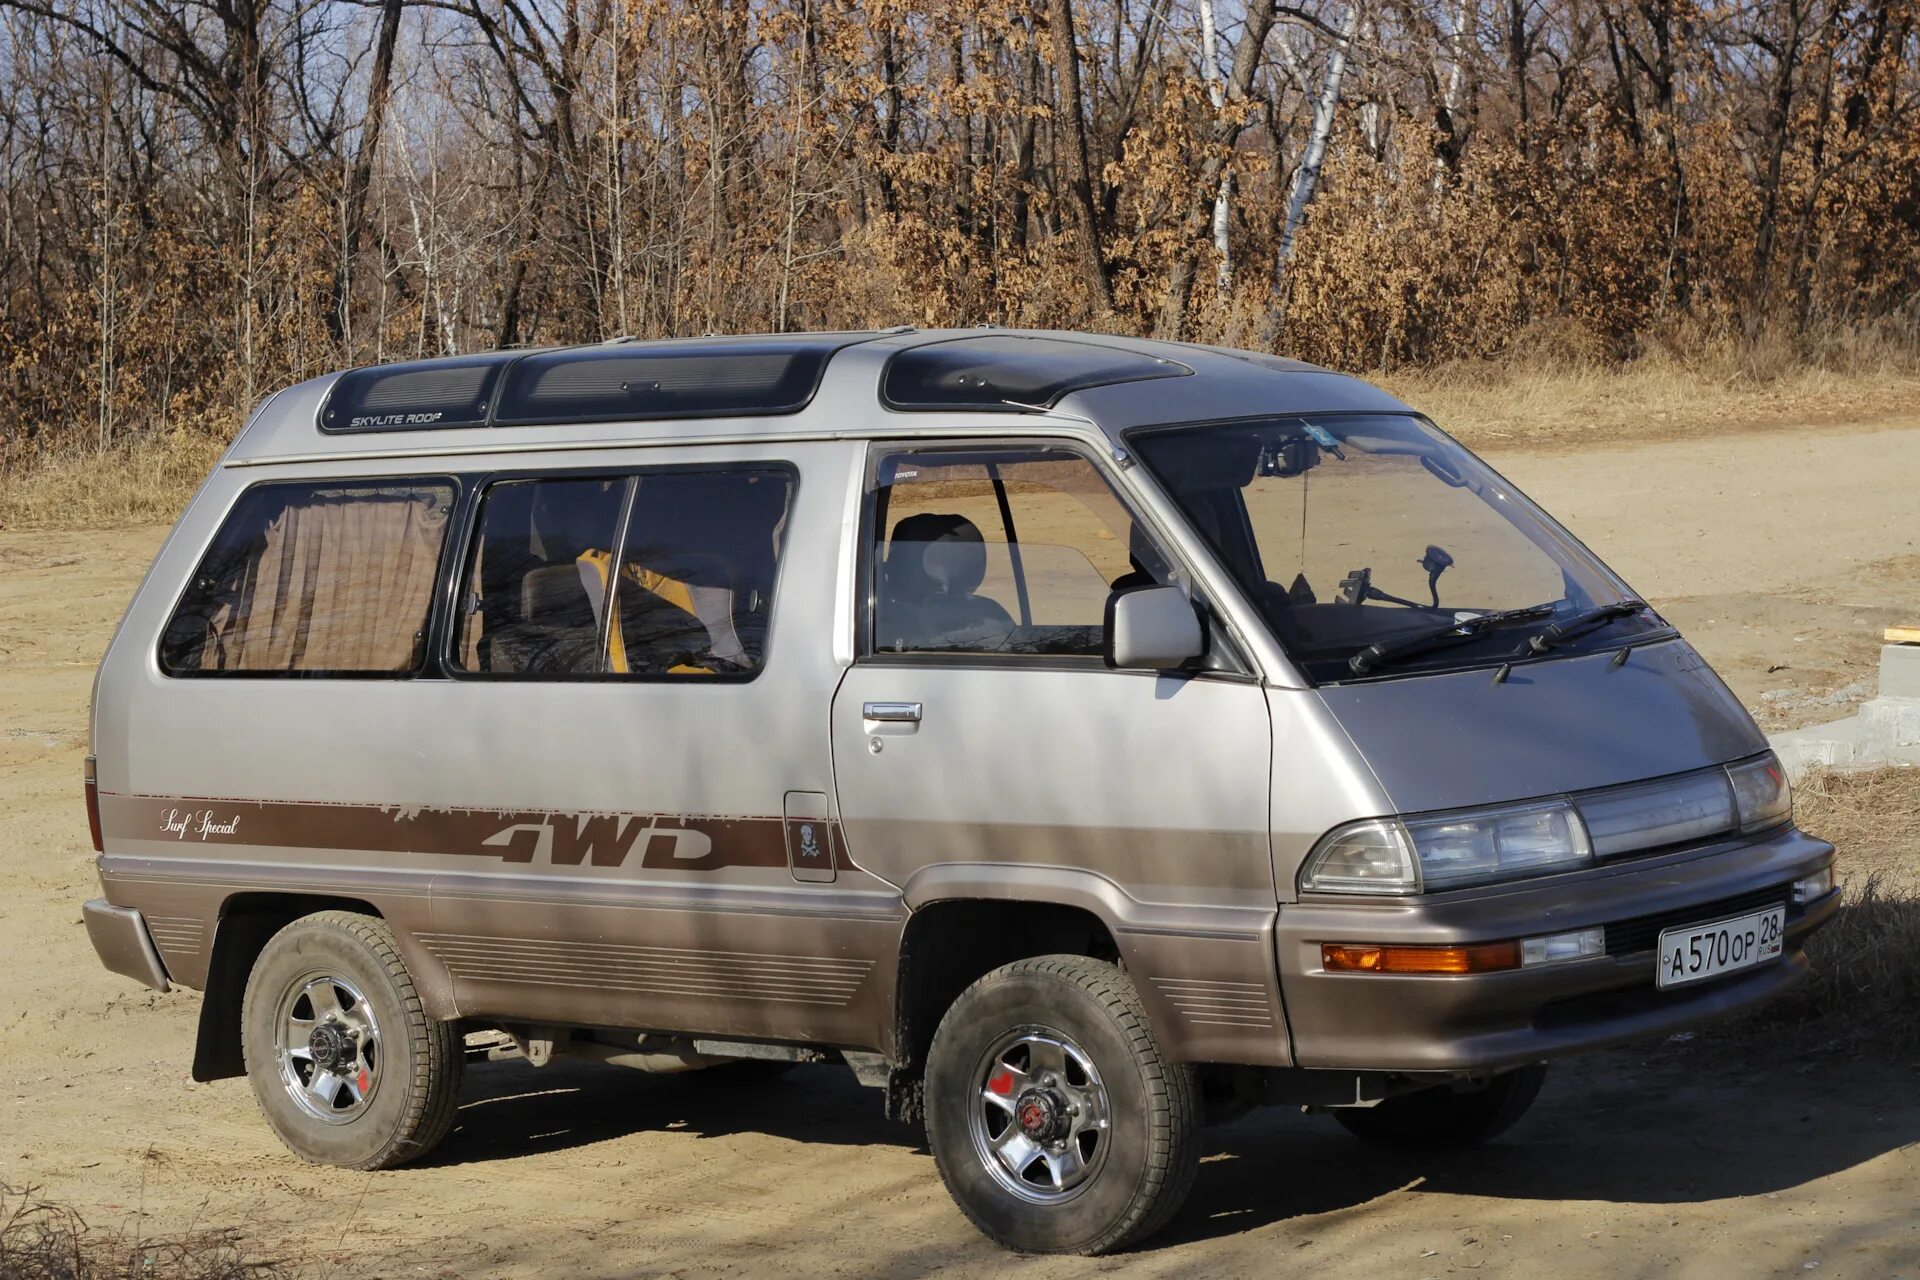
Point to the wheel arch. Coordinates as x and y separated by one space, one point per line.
1087 891
246 921
1206 972
964 924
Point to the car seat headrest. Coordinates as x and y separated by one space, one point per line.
571 517
707 530
933 554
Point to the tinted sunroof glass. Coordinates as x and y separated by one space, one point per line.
1279 364
432 393
681 380
1001 371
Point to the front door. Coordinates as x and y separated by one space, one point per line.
983 749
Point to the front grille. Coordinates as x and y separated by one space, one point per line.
1642 933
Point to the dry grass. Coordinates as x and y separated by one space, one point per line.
144 481
40 1240
1864 992
1872 817
1555 390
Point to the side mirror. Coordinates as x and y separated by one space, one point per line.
1152 629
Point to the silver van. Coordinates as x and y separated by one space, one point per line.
1080 737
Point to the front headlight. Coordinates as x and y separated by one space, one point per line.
1499 844
1448 851
1761 794
1362 857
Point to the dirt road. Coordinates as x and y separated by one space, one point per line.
1689 1160
1782 555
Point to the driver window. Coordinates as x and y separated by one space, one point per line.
1003 551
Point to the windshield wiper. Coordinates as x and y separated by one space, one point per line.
1578 625
1457 632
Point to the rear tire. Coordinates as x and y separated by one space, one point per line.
1057 1123
342 1057
1446 1116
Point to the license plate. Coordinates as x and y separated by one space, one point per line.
1695 952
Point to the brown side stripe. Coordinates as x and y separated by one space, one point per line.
658 841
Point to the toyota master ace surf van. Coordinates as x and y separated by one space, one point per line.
1079 736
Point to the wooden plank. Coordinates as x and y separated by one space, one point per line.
1903 635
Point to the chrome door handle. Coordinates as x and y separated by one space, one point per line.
892 712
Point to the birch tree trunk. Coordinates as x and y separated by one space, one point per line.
1458 42
1306 179
1214 175
1217 94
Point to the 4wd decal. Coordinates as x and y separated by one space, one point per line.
604 840
655 842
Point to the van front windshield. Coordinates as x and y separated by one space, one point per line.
1375 546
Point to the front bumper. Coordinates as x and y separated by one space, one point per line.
1489 1021
121 940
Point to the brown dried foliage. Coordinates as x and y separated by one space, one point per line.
198 212
43 1240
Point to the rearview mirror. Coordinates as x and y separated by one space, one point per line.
1288 458
1152 629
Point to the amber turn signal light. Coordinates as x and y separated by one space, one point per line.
1351 957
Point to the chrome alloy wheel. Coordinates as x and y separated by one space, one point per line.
327 1043
1041 1123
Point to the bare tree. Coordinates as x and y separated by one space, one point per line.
201 200
1217 95
1306 178
360 176
1215 175
1070 118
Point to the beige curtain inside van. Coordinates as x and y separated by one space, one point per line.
343 582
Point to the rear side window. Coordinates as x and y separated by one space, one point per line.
315 580
659 575
534 602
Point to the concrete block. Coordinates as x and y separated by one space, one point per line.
1829 745
1798 757
1887 726
1900 671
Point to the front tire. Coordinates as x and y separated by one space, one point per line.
342 1057
1447 1116
1057 1123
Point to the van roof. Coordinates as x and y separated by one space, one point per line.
879 382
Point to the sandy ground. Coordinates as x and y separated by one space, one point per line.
1781 554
